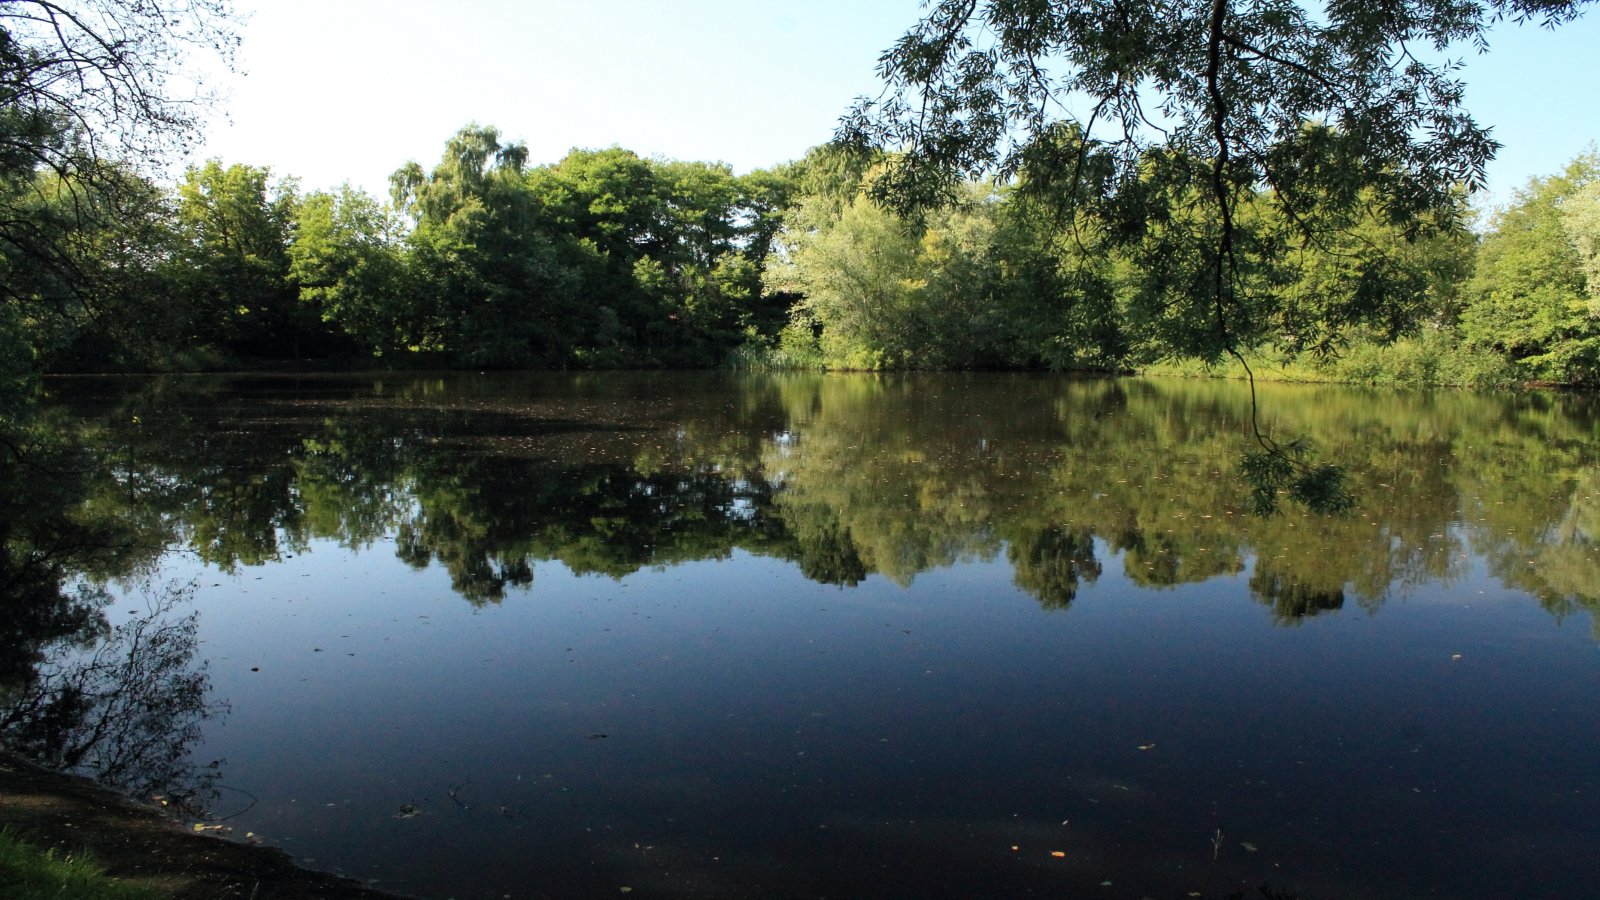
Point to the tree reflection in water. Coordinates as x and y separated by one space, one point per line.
1089 492
847 477
126 709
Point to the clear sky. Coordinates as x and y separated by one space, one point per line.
337 90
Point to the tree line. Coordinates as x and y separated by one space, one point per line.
1305 200
606 259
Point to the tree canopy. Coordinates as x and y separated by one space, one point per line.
1328 113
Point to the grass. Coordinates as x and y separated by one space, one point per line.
29 873
1431 359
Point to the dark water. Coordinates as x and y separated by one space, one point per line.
849 636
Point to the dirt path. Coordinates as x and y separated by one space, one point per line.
139 843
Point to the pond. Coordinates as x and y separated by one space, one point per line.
693 635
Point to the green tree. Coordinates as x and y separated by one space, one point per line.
1580 218
1196 111
104 298
347 258
1320 113
1528 298
857 275
489 286
671 253
1058 282
234 227
881 291
603 205
91 93
701 284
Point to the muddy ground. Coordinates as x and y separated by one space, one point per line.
141 844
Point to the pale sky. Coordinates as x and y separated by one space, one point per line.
338 90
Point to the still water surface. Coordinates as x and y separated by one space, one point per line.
849 636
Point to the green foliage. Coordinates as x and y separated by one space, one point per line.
1018 278
83 109
857 277
1529 299
882 292
29 873
670 254
232 261
1580 219
348 262
1372 278
99 300
1322 115
487 284
602 259
1435 357
1060 287
1301 200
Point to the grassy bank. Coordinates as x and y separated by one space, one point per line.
1433 359
30 873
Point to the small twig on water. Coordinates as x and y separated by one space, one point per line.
253 801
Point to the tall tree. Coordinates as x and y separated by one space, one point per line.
1323 110
234 225
888 293
1529 297
1580 219
670 252
347 258
491 288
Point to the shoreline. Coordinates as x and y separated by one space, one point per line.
142 845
